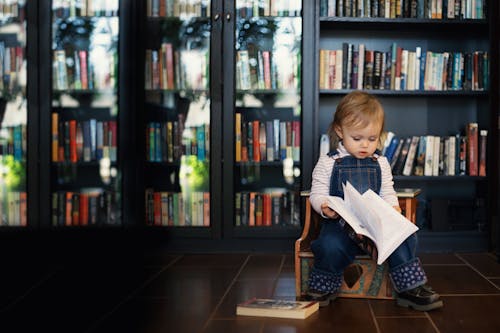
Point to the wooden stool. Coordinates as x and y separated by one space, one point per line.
374 281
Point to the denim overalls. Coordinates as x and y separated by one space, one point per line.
337 244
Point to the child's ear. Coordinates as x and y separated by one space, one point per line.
338 131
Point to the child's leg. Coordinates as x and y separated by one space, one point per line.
333 252
409 279
406 270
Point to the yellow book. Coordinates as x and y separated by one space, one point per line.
260 307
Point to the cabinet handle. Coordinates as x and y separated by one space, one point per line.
216 17
228 17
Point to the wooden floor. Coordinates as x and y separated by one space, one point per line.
198 293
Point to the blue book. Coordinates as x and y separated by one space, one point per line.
391 148
200 139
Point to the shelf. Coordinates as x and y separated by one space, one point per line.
416 93
264 164
151 164
159 19
407 24
439 178
178 91
83 92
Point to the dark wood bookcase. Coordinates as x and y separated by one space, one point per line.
455 212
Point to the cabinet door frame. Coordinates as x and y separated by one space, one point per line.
280 238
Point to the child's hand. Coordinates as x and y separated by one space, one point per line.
328 212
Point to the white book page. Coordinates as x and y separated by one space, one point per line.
340 206
394 227
362 211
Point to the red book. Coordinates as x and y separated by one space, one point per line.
23 197
157 208
68 208
84 69
267 209
256 142
79 142
267 69
399 52
472 149
73 155
84 209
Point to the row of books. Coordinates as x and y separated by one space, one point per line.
271 140
266 209
190 209
93 208
256 8
83 141
178 8
9 8
402 69
262 69
14 142
167 68
83 70
168 141
11 62
423 9
75 8
430 155
13 208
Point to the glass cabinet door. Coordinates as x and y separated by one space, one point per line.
85 177
13 114
267 114
177 113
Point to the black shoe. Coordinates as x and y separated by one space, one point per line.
321 297
421 298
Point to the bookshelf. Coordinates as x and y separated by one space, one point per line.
467 202
264 120
15 118
176 135
81 186
250 55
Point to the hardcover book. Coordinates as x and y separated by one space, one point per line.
261 307
371 216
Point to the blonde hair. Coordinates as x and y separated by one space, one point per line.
357 109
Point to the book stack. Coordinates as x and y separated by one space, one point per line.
266 140
431 155
431 9
356 67
267 209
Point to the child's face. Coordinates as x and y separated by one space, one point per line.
360 142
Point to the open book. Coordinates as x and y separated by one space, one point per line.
369 215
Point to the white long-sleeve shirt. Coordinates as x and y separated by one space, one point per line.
322 173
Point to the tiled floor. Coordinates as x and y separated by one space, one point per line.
198 293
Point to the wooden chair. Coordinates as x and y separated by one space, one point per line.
373 281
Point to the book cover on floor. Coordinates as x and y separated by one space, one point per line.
263 307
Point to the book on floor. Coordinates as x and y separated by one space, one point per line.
371 216
262 307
